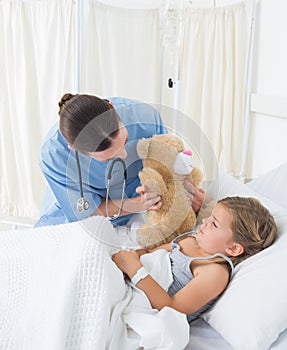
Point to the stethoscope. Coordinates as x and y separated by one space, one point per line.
83 204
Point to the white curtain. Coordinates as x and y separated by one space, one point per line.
121 51
214 72
37 65
121 56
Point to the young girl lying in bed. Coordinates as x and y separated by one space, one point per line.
202 263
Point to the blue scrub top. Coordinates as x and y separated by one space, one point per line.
59 166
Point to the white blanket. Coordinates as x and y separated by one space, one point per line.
59 289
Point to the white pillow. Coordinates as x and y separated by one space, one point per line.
252 312
272 185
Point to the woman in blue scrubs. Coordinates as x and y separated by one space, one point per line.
100 131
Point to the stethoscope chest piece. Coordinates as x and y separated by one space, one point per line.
82 204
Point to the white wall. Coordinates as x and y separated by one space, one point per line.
268 141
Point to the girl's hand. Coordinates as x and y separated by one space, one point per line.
196 195
128 261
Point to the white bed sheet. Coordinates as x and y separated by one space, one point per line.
204 337
61 290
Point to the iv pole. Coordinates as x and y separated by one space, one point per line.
171 41
79 44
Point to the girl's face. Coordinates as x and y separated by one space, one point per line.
215 234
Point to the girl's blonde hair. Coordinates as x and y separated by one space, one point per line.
252 225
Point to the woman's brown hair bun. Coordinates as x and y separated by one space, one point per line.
64 99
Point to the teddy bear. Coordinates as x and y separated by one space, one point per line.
166 164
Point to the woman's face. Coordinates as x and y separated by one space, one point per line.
117 149
215 234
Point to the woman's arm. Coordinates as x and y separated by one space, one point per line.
145 201
209 281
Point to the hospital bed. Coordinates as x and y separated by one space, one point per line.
60 290
50 296
50 277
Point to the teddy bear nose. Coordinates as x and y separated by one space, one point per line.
187 152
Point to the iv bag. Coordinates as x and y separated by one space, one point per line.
171 21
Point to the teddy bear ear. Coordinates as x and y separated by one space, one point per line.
143 148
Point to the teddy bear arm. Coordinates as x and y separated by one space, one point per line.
153 180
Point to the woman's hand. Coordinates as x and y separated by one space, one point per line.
128 261
146 201
150 200
196 195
